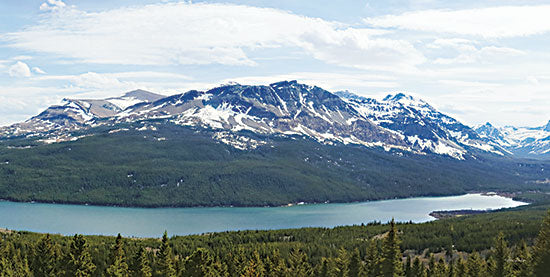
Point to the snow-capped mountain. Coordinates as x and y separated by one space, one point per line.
522 141
74 114
285 108
419 124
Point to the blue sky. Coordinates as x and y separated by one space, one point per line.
475 60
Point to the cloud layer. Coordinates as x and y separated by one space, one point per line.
184 33
493 22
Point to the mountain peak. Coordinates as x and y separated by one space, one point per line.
405 99
143 95
397 97
284 83
547 127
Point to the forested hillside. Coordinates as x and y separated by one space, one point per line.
506 243
170 165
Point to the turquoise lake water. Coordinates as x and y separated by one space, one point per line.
144 222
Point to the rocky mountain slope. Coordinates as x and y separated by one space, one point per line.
527 142
286 108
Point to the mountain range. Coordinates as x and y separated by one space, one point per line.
256 145
527 142
286 108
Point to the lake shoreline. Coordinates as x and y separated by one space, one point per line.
139 222
510 195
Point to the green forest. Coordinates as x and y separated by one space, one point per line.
181 166
512 242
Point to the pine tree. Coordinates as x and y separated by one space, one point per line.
441 268
461 270
430 272
279 268
475 266
298 264
340 264
201 263
165 260
451 272
237 262
118 266
44 263
78 261
391 254
324 268
408 267
355 267
521 266
21 265
417 269
501 255
372 259
140 264
541 249
255 266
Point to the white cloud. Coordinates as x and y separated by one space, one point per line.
19 69
493 22
38 70
21 58
52 5
471 54
184 33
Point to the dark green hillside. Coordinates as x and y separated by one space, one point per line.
189 168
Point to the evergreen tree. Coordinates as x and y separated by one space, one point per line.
201 263
391 254
237 262
451 272
118 266
340 264
78 261
541 249
430 272
140 264
44 263
501 255
165 260
372 259
521 266
408 267
324 268
441 268
279 268
461 270
417 269
475 266
355 267
255 266
21 265
298 264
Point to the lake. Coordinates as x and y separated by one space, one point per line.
151 222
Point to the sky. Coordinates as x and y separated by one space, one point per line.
478 61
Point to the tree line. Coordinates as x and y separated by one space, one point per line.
381 255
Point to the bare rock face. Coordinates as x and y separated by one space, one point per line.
285 108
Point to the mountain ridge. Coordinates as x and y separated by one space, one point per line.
287 108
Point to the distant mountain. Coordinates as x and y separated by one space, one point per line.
58 121
285 108
420 125
531 142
